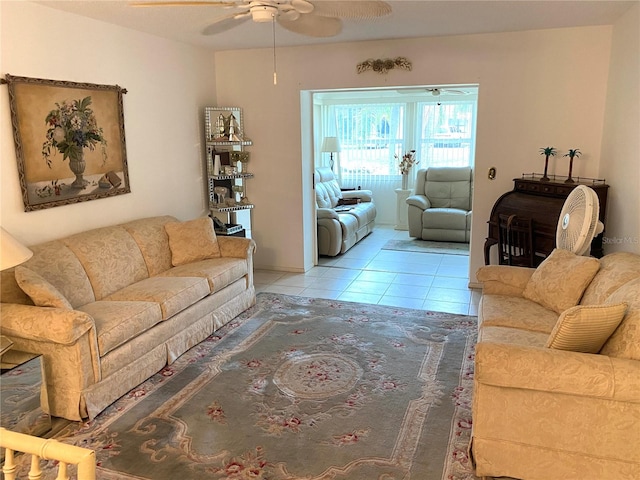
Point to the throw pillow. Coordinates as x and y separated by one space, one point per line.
192 241
41 292
560 280
586 328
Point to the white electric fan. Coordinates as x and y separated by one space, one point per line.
579 222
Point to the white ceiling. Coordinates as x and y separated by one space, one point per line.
408 19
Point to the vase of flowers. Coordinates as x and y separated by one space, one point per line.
77 166
408 161
72 128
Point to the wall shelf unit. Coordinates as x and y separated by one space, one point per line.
227 170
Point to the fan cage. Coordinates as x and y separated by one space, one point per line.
578 220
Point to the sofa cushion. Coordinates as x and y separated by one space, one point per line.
560 280
39 290
449 187
192 241
625 341
61 267
111 258
10 291
328 194
118 322
616 269
513 336
445 218
349 225
515 312
364 213
219 272
173 294
153 241
586 329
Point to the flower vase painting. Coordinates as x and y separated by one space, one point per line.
72 128
69 139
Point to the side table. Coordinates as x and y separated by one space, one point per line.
402 209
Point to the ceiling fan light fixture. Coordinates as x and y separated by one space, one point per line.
263 13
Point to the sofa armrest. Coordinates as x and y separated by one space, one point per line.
419 201
236 247
68 342
504 279
557 371
44 324
327 213
363 195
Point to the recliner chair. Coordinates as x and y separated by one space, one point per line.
440 208
344 217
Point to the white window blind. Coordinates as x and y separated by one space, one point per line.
447 134
372 133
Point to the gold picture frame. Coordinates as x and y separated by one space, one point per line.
69 139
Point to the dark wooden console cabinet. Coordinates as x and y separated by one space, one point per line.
542 202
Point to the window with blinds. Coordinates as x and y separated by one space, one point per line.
372 133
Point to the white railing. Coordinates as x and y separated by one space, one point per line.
45 449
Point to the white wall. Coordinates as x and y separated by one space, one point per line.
168 85
536 89
620 163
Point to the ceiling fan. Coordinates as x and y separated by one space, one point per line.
435 91
315 19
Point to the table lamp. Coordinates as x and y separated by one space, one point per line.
330 145
12 252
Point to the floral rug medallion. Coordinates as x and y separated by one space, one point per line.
300 389
317 376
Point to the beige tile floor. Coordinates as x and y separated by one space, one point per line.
367 274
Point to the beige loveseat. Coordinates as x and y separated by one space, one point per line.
344 217
543 409
124 301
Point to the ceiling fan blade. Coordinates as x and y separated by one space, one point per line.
352 10
188 3
289 14
302 6
313 25
226 23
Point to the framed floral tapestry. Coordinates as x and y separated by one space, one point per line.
70 143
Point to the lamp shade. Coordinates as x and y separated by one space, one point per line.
12 252
330 145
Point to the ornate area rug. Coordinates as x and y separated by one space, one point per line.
427 246
300 388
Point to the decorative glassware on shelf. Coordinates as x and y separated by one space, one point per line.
238 191
221 193
240 159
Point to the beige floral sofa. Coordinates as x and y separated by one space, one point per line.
108 308
557 370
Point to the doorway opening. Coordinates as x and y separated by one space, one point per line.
375 127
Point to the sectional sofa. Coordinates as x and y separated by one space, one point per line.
109 307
